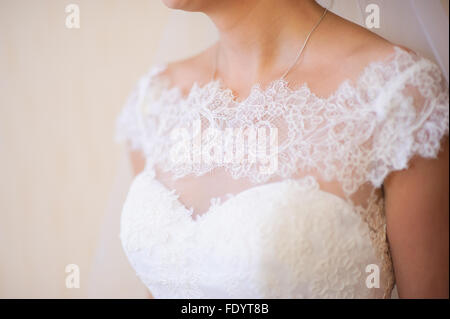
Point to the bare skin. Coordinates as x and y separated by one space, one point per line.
259 40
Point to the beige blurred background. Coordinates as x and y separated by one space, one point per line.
60 92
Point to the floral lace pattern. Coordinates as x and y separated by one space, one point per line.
279 240
396 109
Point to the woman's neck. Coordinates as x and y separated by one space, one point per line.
258 38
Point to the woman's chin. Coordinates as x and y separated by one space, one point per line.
185 5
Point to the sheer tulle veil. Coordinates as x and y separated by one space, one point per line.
417 24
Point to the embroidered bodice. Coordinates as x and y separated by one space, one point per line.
294 181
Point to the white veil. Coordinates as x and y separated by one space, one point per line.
422 25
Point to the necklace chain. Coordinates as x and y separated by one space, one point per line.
296 59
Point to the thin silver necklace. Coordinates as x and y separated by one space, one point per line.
214 71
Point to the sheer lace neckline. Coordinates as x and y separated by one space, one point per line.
315 134
218 85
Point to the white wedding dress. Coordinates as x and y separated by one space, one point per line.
313 228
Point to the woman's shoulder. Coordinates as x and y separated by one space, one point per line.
359 49
373 63
184 72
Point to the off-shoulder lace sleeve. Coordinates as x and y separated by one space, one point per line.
413 113
129 121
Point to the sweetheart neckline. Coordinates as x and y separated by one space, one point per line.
307 182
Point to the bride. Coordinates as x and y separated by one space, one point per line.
358 200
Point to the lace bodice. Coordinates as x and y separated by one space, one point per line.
311 216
